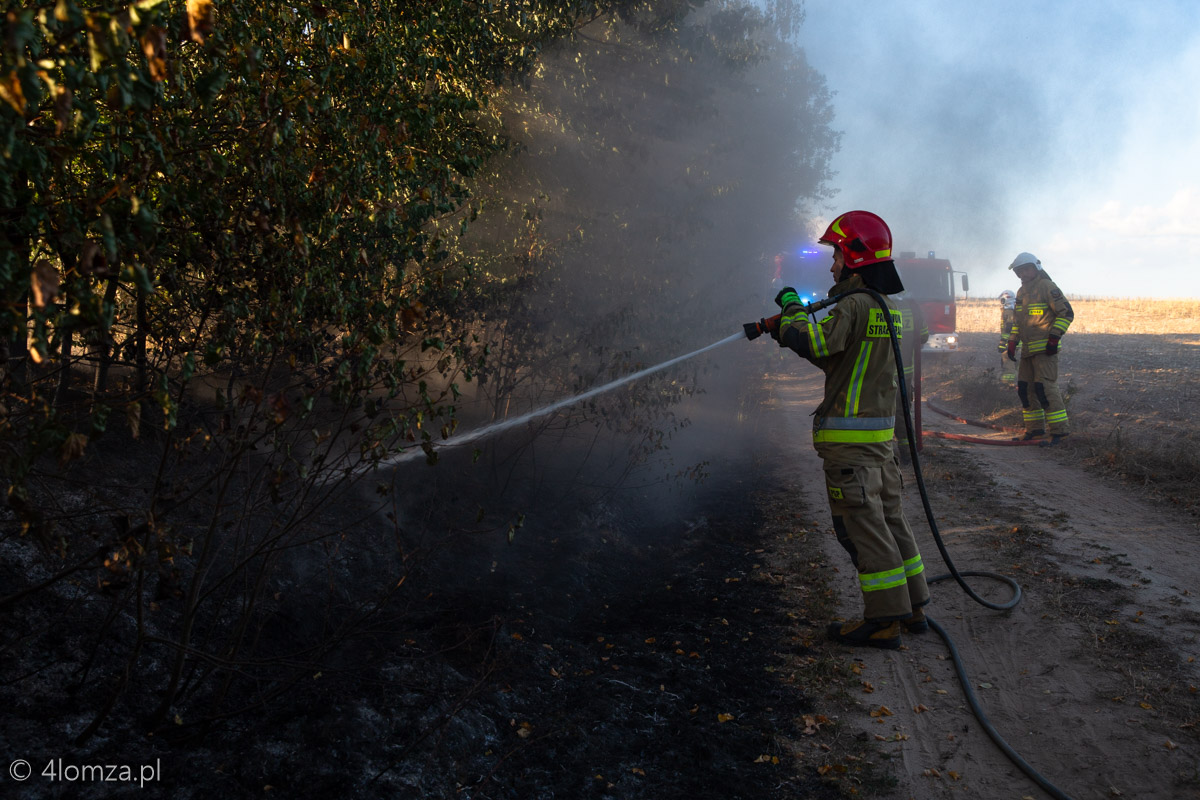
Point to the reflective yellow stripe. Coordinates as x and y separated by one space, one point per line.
878 581
913 566
883 253
816 339
853 437
1057 416
836 227
854 393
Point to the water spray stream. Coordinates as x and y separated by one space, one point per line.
470 436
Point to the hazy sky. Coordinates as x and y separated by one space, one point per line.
1067 128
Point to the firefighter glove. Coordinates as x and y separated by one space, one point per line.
1052 345
1012 350
787 295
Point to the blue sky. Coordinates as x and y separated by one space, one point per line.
1069 129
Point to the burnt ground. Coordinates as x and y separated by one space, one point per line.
632 638
661 637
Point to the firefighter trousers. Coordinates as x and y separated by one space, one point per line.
868 519
1041 402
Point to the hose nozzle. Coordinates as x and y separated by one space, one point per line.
756 329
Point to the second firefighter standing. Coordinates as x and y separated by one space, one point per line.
1042 316
1008 317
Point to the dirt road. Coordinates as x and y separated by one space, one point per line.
1092 678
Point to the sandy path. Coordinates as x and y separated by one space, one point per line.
1046 680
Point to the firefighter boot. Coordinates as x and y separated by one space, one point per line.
866 633
1029 435
1055 438
915 622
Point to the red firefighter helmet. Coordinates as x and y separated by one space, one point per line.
862 237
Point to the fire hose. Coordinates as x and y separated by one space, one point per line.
768 325
961 437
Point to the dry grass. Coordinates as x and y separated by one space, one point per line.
1097 315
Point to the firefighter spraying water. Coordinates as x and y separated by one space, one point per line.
853 426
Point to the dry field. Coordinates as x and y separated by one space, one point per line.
1097 315
1130 371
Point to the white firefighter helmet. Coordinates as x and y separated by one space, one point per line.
1025 258
1008 298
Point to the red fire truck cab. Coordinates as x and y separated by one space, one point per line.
929 282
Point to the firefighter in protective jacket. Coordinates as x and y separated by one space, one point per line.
852 428
1008 317
1042 316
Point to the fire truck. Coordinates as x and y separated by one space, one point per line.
929 282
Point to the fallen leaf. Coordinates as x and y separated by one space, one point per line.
1146 706
1170 745
724 717
867 687
638 771
72 448
882 711
920 708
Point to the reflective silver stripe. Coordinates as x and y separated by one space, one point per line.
856 423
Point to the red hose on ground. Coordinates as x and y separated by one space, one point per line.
980 440
975 422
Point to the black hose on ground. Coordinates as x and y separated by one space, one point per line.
995 736
958 576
